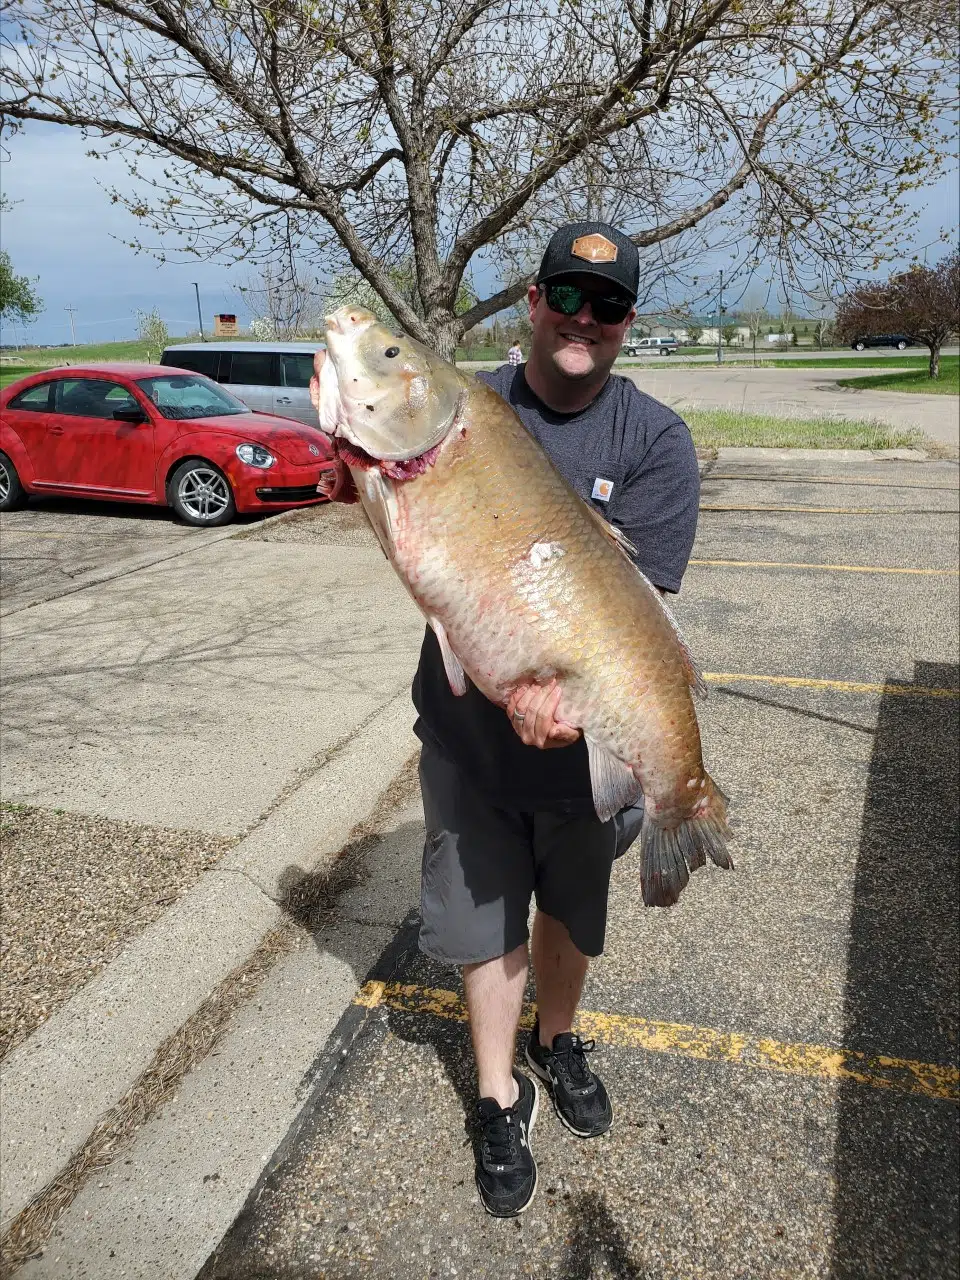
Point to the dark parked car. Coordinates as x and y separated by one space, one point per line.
898 340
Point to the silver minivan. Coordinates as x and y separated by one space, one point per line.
273 377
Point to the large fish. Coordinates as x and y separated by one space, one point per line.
523 581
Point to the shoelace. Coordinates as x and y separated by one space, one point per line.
572 1063
500 1137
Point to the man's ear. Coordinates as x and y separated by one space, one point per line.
533 297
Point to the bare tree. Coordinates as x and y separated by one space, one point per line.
369 131
288 300
922 304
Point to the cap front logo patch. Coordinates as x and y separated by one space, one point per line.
595 248
602 489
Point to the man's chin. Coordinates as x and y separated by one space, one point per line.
575 363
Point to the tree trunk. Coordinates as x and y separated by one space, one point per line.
934 359
446 338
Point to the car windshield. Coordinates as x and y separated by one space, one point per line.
190 395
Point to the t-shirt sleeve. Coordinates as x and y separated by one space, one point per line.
659 505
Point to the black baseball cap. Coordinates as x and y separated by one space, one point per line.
594 249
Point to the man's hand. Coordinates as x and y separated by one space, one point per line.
532 709
318 360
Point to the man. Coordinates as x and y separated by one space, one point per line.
507 799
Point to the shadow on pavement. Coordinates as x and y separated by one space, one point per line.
597 1244
895 1203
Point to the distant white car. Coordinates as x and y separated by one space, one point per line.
650 346
272 377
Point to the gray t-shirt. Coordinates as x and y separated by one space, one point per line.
634 459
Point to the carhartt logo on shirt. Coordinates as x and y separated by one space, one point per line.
602 489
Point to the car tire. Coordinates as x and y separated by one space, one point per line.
200 494
901 346
858 346
12 493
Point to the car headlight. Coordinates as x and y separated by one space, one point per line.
254 455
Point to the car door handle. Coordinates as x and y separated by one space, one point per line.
55 431
284 400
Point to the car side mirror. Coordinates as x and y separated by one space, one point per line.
135 416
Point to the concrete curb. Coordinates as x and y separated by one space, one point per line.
84 1059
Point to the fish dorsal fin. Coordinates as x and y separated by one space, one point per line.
451 663
612 782
688 661
611 532
629 551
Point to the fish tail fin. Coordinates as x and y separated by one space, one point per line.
669 853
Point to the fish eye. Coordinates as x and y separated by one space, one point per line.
391 352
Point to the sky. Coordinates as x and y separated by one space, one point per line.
63 229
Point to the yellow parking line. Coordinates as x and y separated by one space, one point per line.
841 568
835 511
845 686
856 481
760 1053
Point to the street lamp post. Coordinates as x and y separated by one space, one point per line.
720 323
199 312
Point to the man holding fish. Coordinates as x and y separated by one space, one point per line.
553 690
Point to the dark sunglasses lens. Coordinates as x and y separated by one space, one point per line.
568 299
565 298
609 310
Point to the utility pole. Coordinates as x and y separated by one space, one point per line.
720 323
199 312
73 333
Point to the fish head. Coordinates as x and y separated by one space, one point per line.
390 397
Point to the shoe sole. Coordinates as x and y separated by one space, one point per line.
515 1213
545 1077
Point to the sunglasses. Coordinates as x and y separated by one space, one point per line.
568 299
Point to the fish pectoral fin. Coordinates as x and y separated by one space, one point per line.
613 782
451 663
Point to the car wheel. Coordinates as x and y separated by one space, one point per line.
858 346
901 346
200 494
12 492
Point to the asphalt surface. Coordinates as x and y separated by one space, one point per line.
781 1046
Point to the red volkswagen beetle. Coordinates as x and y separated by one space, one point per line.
149 433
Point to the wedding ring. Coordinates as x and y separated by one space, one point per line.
518 717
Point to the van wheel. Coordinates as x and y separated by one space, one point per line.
858 346
12 493
200 494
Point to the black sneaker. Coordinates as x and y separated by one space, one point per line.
506 1169
579 1098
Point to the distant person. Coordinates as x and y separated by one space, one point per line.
515 354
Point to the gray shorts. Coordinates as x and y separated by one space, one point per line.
482 865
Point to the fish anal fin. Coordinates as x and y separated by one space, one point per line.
451 663
613 782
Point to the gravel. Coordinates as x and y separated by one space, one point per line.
335 524
75 890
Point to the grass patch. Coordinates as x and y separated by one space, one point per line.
916 380
92 353
10 374
727 428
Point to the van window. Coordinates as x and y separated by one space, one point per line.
205 362
296 369
250 369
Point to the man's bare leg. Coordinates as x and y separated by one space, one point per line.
494 990
560 969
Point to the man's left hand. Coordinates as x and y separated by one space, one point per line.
532 709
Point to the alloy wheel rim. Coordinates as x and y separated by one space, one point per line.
203 493
4 482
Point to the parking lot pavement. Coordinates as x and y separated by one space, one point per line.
192 693
798 393
55 546
780 1046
